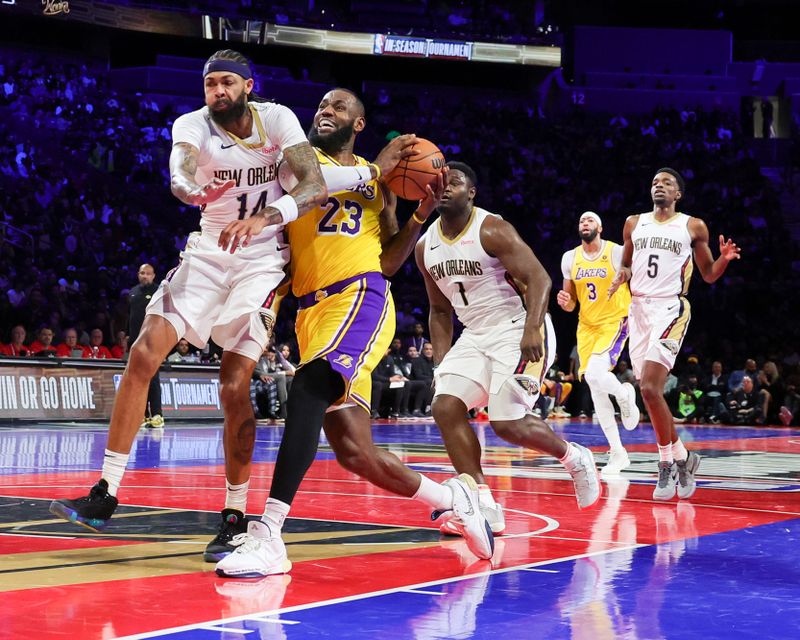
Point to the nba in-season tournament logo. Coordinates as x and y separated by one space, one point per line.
53 7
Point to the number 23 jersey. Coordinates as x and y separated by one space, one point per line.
482 292
662 256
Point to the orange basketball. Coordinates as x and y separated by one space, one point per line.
411 175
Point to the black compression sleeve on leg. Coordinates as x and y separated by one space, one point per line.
315 388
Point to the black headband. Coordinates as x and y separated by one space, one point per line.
676 175
227 65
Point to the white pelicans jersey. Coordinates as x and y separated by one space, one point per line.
662 256
252 162
482 292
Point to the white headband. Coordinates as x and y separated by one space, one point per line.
592 214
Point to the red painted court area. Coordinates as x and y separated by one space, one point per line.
145 573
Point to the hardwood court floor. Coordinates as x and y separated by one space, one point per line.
368 564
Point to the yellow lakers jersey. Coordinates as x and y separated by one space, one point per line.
338 240
592 279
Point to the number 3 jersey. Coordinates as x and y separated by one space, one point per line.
251 162
592 278
662 256
482 292
338 240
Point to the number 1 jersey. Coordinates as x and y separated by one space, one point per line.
482 292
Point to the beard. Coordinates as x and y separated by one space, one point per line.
331 143
232 113
588 236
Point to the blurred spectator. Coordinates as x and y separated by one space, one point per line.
749 370
43 345
138 299
624 373
184 352
70 347
690 401
119 349
388 384
790 411
264 388
743 406
773 390
422 372
96 348
715 388
417 339
17 345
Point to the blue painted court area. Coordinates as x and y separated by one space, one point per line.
742 584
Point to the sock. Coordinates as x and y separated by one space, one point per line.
485 496
275 513
665 453
679 452
236 496
605 416
113 469
571 457
435 495
315 388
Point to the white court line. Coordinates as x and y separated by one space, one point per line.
541 570
373 594
36 535
423 592
228 630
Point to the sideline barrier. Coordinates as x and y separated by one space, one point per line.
58 389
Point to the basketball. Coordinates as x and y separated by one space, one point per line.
411 175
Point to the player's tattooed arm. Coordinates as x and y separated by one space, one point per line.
308 193
310 190
182 169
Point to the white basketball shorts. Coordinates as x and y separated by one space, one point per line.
213 293
486 368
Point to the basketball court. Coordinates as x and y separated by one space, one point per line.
370 564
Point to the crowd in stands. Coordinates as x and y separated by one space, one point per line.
84 200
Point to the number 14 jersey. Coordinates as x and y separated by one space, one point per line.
482 292
662 256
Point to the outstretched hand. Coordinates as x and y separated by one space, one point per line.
397 149
209 192
433 194
728 249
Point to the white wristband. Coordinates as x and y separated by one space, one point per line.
287 205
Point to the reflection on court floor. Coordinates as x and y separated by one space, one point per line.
370 564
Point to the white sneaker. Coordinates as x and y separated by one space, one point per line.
584 475
467 517
258 553
628 411
667 479
686 481
617 461
494 516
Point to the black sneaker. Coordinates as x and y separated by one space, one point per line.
233 523
92 511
